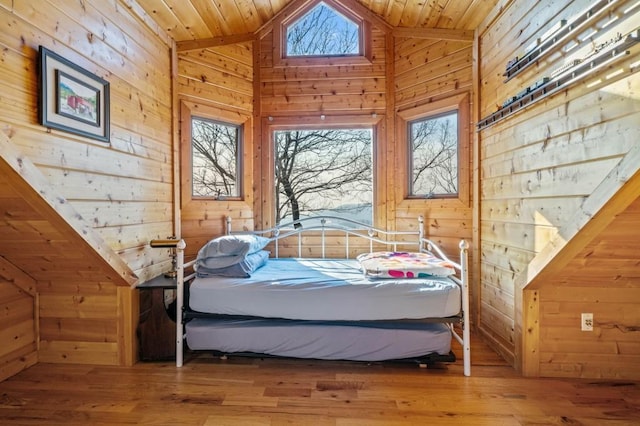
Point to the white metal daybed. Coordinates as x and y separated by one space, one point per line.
326 308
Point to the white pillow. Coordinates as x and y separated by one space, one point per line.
233 245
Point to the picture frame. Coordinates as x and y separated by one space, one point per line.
72 99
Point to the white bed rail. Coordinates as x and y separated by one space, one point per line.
463 282
356 229
181 278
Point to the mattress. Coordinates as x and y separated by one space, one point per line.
318 340
324 289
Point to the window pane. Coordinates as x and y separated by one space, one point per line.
434 156
324 172
215 158
323 32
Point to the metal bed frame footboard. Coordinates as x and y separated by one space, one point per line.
351 229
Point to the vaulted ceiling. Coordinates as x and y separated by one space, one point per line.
201 19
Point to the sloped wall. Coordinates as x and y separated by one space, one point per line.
121 190
125 187
538 165
602 279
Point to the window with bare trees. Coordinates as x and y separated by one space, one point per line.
434 156
322 31
436 146
323 171
215 158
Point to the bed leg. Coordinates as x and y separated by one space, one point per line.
466 332
180 302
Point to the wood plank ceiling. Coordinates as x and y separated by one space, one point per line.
202 19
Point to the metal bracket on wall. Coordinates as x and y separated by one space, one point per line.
548 86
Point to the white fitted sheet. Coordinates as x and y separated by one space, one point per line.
324 289
317 340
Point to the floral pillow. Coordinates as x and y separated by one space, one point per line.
389 264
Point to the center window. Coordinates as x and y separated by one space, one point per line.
323 172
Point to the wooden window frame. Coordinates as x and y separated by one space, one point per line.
266 216
458 103
187 112
280 59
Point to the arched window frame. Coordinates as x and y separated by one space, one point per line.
281 23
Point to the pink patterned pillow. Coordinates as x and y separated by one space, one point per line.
389 264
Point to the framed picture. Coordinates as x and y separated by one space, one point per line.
71 98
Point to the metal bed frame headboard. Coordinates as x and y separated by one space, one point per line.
350 228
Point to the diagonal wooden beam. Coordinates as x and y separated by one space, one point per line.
434 33
204 43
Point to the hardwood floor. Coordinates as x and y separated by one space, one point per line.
243 391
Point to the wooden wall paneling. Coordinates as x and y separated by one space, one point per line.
299 89
167 19
258 135
102 213
19 334
18 278
538 165
231 100
127 42
115 194
413 57
110 51
340 72
24 176
385 180
428 72
119 43
217 69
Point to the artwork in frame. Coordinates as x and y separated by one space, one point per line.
71 98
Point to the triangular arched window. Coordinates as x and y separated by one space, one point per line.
322 29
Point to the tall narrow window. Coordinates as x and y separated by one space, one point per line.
215 158
323 31
320 171
434 156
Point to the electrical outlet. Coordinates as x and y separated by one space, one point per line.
587 322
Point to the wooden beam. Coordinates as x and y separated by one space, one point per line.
530 366
25 177
175 132
434 33
205 43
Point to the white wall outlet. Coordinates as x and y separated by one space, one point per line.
587 322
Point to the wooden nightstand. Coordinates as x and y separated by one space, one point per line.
156 327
